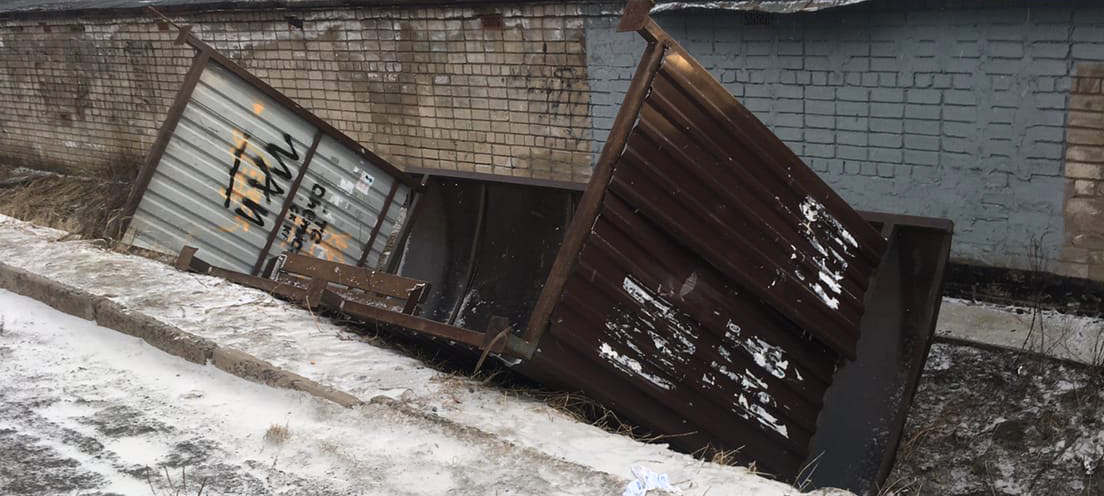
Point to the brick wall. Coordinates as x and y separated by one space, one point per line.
84 97
953 113
499 89
1083 252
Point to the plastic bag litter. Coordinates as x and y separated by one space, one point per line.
645 481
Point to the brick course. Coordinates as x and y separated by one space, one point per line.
957 113
498 90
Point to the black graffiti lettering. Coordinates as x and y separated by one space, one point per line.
304 223
269 187
317 234
276 151
256 213
234 169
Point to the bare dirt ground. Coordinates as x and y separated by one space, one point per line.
988 421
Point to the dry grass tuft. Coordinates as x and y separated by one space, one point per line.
90 207
277 434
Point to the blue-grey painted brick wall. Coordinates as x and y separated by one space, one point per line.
956 114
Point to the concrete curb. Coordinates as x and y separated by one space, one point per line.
167 338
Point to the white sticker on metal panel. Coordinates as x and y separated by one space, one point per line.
365 183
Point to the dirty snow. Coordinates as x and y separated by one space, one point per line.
292 338
1002 422
89 409
1071 337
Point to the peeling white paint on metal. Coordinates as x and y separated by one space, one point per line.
631 366
761 415
832 261
756 388
768 357
659 308
732 331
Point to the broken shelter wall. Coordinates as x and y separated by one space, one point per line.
495 89
904 107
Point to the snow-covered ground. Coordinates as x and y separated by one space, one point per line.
1072 337
545 440
89 410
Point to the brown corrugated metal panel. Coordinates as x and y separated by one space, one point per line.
656 290
717 280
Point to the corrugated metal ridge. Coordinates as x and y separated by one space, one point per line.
718 279
824 268
239 169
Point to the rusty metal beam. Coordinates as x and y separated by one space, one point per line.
591 201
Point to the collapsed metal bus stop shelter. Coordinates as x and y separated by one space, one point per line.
705 284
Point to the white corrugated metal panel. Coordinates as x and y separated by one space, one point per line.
228 169
337 207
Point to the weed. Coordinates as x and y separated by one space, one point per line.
173 488
1035 340
91 208
277 434
899 487
1096 352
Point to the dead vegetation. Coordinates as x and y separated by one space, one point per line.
988 420
89 207
170 487
458 363
277 434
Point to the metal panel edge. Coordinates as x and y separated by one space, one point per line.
153 157
297 109
591 201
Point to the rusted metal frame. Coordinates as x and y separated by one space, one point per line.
591 201
297 109
412 211
417 297
760 257
164 135
703 417
352 276
909 220
187 261
799 417
276 226
784 296
309 293
740 184
497 178
477 241
610 235
869 246
335 301
379 223
934 296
